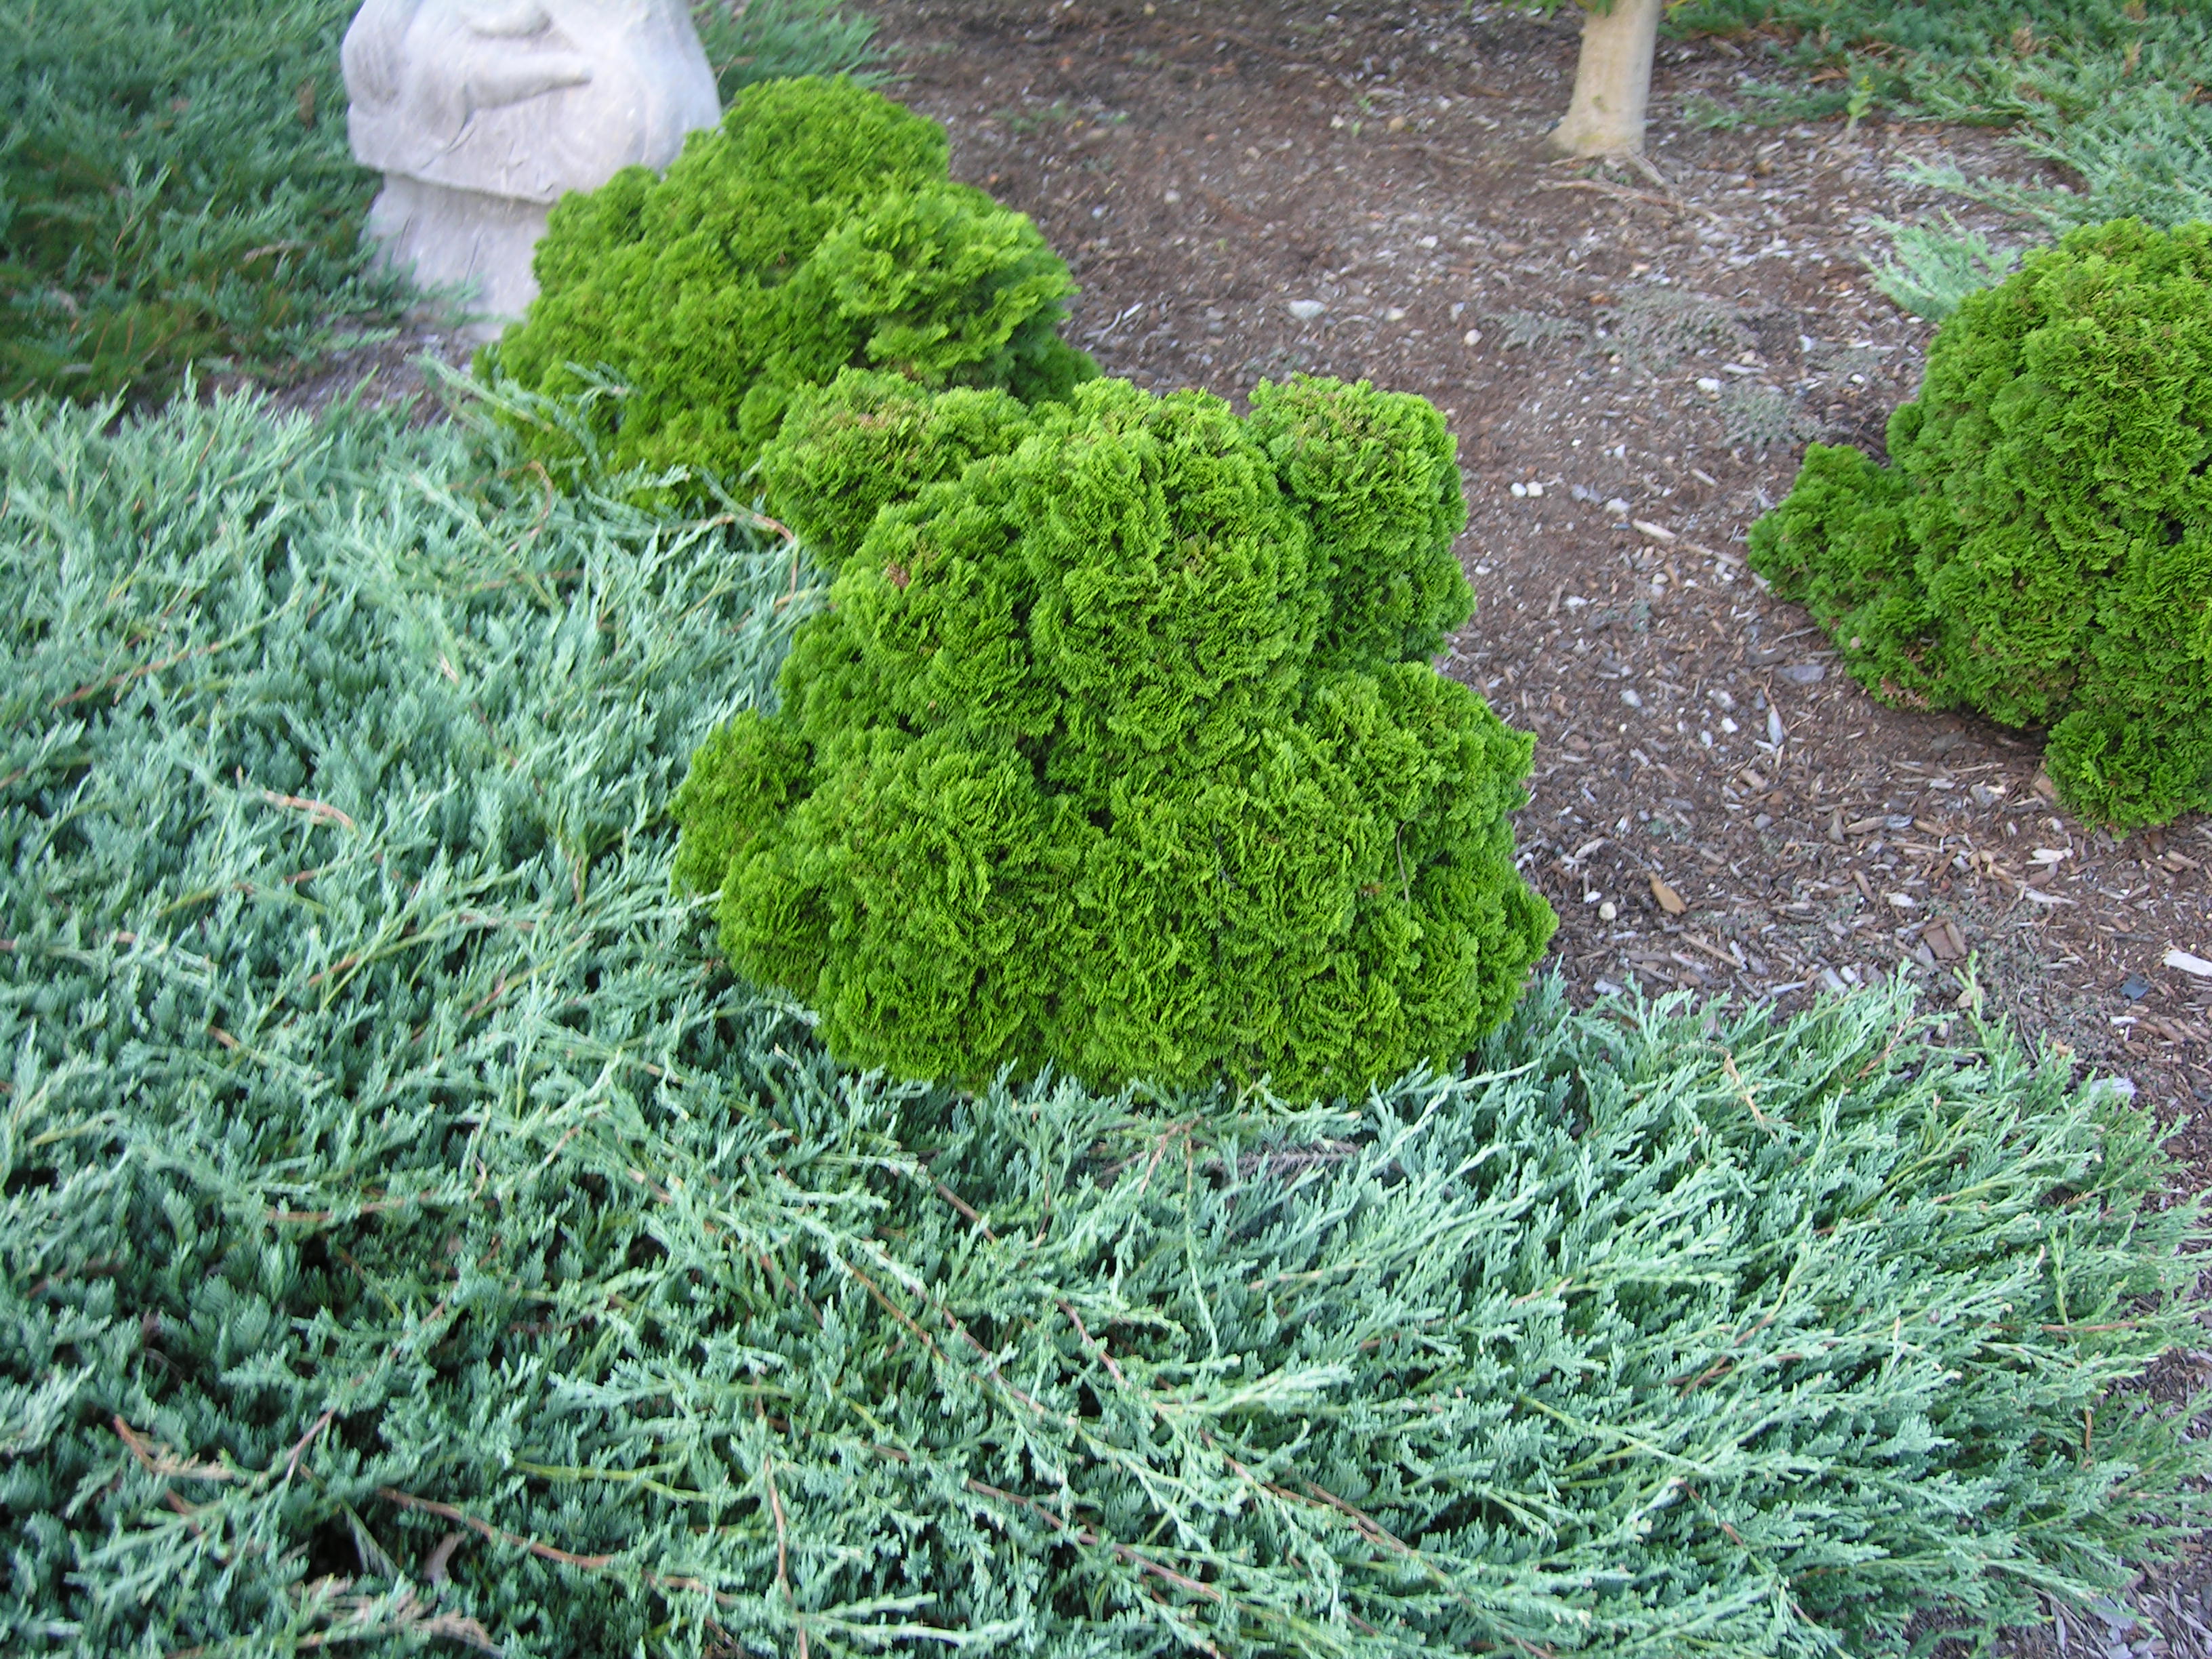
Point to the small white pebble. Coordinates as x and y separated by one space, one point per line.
1520 489
1730 725
1472 336
1607 911
1173 196
1306 310
1633 699
1535 489
1395 314
1706 383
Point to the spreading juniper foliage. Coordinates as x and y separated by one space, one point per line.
2041 548
748 41
2106 89
175 186
818 228
1119 746
1935 266
1987 61
407 1232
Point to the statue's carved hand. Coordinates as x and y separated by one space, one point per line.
493 82
506 20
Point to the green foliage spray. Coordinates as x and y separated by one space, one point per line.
817 228
2041 551
1119 747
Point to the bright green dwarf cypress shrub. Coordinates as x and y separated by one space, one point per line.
815 229
1119 746
2041 548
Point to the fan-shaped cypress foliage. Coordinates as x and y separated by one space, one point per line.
1118 747
2040 550
817 228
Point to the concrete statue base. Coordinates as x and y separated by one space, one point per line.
461 239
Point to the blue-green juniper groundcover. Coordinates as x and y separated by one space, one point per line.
385 1159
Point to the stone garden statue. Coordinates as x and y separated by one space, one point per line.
480 113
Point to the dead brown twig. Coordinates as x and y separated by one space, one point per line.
1092 1343
1728 1063
300 1448
374 1207
782 1553
407 1500
319 811
1623 192
159 1459
409 1616
1376 1533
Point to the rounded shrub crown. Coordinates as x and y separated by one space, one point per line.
817 228
1118 746
2040 550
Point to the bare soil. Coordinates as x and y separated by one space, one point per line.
382 373
1633 358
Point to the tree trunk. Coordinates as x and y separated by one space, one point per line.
1612 79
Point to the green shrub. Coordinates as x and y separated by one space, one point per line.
817 228
381 1162
748 41
175 187
2040 550
1119 747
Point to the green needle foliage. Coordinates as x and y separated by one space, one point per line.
2107 89
175 183
748 41
404 1234
175 187
817 229
1119 746
2040 550
1987 61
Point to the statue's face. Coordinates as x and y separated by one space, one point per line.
525 98
514 19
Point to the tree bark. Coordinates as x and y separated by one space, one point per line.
1612 80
